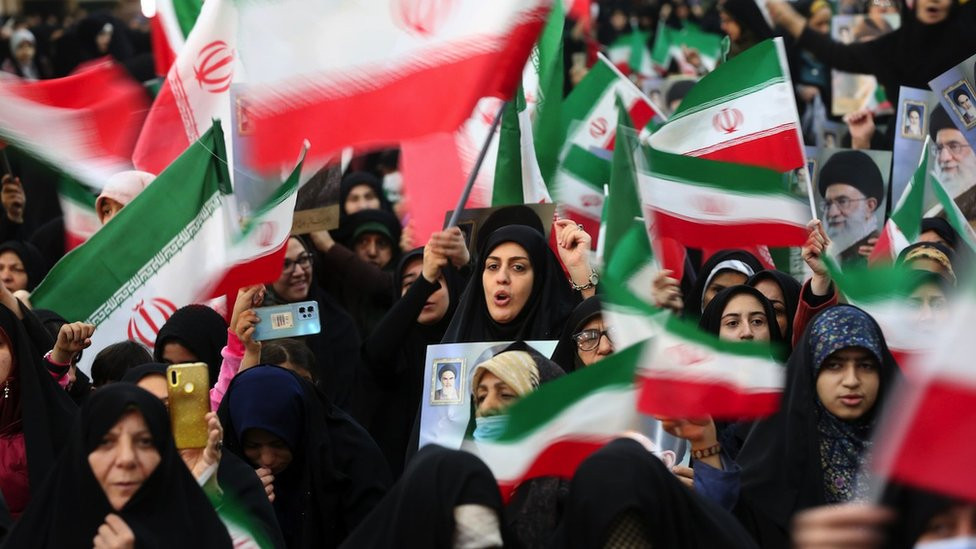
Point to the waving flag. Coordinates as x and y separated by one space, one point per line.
744 112
169 28
670 43
357 68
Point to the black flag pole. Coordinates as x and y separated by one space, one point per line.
477 166
6 162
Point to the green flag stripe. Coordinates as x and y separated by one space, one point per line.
542 406
507 189
74 191
585 96
187 12
728 176
166 209
875 284
587 166
548 131
683 329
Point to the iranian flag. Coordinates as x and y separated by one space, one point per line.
905 223
77 202
552 430
630 55
84 125
169 29
709 204
671 43
925 439
197 90
744 112
689 373
518 179
381 57
626 280
178 242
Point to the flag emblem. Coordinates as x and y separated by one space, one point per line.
148 319
424 17
215 67
727 120
598 128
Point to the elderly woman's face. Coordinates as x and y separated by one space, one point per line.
12 271
124 459
492 395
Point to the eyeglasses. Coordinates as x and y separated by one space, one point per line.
587 340
304 260
954 147
842 203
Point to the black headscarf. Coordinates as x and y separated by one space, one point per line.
201 330
693 301
37 406
711 320
782 469
168 510
337 474
241 487
355 179
624 478
942 228
379 221
34 264
419 510
753 27
566 355
543 315
791 294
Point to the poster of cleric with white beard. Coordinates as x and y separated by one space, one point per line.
851 190
915 108
952 127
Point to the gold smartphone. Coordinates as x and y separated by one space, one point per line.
189 401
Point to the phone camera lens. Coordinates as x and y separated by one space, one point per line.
301 309
310 309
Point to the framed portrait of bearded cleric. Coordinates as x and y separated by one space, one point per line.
851 196
915 111
952 128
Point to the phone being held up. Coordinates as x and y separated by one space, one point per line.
188 386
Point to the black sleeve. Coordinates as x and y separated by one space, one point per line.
863 58
380 348
10 230
367 475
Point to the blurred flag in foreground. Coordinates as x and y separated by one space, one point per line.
350 73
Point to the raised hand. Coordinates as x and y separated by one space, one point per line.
666 291
267 479
72 339
198 460
114 533
450 244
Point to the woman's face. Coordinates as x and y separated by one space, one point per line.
124 459
108 209
156 384
729 26
931 304
492 395
12 271
958 521
719 282
177 353
6 357
744 319
820 20
848 383
437 303
774 294
265 449
295 279
930 12
507 280
361 197
603 348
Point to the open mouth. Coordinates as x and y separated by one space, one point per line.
502 298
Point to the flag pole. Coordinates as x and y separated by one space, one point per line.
477 166
6 162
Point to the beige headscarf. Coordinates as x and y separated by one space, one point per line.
515 368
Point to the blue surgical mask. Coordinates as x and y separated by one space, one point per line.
952 543
489 428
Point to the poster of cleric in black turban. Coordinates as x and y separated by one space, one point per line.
952 128
851 194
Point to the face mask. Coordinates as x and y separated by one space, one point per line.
489 428
952 543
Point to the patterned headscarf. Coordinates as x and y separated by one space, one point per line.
844 445
515 368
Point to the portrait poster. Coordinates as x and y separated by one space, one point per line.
656 89
831 134
911 127
956 169
852 92
851 198
471 220
445 414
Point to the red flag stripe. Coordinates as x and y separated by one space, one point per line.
700 235
681 398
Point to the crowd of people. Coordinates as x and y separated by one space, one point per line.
314 441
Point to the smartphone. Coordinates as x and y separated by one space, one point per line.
289 320
188 386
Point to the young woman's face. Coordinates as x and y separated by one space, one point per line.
156 384
437 303
744 319
12 271
774 294
295 280
507 280
177 353
124 459
848 383
361 197
930 12
730 26
264 449
720 282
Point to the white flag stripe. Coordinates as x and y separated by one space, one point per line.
711 205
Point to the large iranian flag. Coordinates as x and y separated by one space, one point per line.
84 124
925 440
709 204
169 29
552 430
178 242
358 68
905 223
689 373
744 112
197 89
